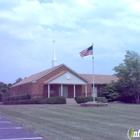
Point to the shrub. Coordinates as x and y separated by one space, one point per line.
18 102
56 100
81 99
52 100
39 101
28 101
5 96
101 99
112 96
127 99
18 97
0 97
8 102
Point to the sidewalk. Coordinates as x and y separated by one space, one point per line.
11 131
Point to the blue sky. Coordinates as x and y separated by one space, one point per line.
28 28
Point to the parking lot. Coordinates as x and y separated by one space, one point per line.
11 131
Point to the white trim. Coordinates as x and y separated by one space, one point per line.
48 91
62 79
74 90
76 73
86 90
56 67
66 84
61 90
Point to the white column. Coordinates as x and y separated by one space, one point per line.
61 90
48 91
86 90
74 90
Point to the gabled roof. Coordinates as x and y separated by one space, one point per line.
100 79
39 75
36 76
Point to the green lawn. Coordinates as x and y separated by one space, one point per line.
72 122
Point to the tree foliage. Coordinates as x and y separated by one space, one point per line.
128 73
18 80
5 88
110 92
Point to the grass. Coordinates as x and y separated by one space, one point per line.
72 122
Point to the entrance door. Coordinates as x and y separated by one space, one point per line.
65 91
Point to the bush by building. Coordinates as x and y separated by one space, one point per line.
18 97
51 100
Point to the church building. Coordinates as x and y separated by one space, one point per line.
61 81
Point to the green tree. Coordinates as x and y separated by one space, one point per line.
128 73
18 80
110 92
4 90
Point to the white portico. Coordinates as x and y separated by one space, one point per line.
66 84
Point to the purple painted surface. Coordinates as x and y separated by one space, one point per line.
11 131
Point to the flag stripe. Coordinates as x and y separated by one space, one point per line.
86 52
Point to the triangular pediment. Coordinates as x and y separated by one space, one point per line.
67 78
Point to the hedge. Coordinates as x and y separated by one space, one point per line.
81 99
101 99
56 100
0 97
127 99
51 100
18 97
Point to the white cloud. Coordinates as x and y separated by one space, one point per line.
28 27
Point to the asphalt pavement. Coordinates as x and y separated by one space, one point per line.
11 131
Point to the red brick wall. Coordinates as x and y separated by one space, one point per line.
78 90
54 90
45 91
35 89
89 90
22 89
38 89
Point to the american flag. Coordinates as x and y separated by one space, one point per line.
86 52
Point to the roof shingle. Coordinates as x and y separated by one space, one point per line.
36 76
100 79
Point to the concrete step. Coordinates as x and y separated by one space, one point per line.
70 101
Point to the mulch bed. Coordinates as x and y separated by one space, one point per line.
94 104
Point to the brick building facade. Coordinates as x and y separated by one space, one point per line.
60 81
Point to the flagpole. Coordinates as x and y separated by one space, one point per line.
93 90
